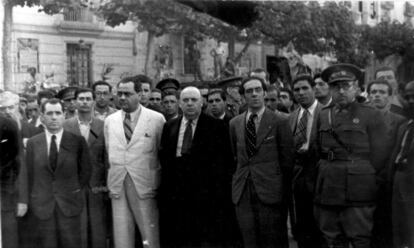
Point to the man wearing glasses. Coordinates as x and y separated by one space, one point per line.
103 96
352 150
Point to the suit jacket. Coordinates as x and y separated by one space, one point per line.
139 157
195 189
96 144
274 154
9 162
403 192
62 186
305 170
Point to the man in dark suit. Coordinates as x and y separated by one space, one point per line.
303 125
194 159
58 168
94 218
380 93
262 146
9 167
402 161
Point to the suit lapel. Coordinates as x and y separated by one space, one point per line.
314 130
241 130
94 132
42 146
294 120
63 150
140 129
264 127
119 128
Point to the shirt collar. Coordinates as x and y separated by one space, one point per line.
258 113
222 116
88 123
311 109
58 134
194 122
134 115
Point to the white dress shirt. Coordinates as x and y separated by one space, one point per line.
49 139
134 117
311 115
85 128
257 119
183 125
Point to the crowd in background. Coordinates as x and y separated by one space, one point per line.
219 165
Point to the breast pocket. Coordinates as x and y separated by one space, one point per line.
353 134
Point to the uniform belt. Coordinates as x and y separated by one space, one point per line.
344 156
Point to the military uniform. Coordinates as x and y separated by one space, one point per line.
352 150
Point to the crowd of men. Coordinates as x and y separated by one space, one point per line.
221 167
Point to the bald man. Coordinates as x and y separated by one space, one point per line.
194 187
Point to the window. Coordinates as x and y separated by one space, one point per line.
77 15
79 68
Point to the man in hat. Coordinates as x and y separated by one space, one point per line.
231 86
352 152
67 96
402 160
168 85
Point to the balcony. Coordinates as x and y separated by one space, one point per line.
79 21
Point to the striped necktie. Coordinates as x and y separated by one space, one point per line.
251 136
300 133
128 127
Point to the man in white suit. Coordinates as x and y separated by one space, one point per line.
132 137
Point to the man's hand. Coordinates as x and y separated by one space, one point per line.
21 209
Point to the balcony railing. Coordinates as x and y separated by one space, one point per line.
78 15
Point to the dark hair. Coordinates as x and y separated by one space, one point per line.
137 80
97 83
217 91
306 77
83 90
156 90
170 93
287 91
44 94
52 101
248 79
272 88
383 68
260 70
380 81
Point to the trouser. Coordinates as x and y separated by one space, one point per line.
59 231
261 225
340 225
94 221
128 209
9 234
305 229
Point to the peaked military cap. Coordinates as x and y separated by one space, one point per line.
67 93
168 83
230 81
341 72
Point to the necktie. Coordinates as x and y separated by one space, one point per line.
188 139
53 153
408 141
300 133
128 127
251 136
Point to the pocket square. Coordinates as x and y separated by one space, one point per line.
4 141
269 138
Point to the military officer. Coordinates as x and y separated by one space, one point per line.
352 151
